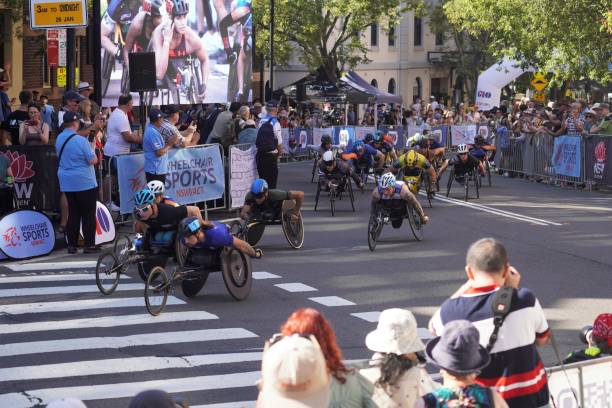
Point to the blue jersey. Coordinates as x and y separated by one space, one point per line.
119 11
435 144
244 3
396 193
216 237
369 152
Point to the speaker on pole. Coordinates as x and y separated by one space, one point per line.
142 72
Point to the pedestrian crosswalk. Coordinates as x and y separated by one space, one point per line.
59 337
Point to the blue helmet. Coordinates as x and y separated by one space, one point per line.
259 186
358 145
189 226
378 136
144 196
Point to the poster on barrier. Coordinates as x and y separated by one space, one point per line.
105 226
596 385
412 130
397 134
566 156
463 134
194 175
243 170
26 234
318 133
484 132
439 134
362 131
598 159
287 137
344 136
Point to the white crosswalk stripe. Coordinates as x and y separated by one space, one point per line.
101 348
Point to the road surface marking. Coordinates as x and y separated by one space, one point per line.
106 321
238 404
121 365
32 398
144 339
84 304
296 287
62 290
371 317
265 275
51 278
52 265
332 301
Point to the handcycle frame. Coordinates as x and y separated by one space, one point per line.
252 229
335 192
424 182
470 176
381 216
234 265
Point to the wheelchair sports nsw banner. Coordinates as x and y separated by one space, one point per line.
192 63
566 156
26 234
194 175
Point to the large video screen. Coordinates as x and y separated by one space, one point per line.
203 49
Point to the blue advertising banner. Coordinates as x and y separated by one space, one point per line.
440 134
194 175
396 133
26 234
362 131
344 136
566 156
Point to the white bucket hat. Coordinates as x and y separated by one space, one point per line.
396 333
294 375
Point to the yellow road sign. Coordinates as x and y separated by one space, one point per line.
62 76
539 81
58 13
539 96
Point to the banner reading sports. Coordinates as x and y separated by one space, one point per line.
566 156
194 175
26 234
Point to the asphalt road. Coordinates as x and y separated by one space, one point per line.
60 337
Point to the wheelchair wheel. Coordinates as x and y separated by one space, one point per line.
333 195
181 252
108 63
314 167
254 232
156 291
466 186
108 271
375 226
293 229
451 176
191 287
121 247
415 223
237 273
477 183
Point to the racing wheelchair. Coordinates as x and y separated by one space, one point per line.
337 188
192 272
252 229
383 214
421 182
471 177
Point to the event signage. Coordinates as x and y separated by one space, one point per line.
243 170
105 226
463 134
598 157
58 13
194 175
589 386
566 156
344 136
26 234
362 131
52 47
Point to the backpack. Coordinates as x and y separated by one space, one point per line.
266 140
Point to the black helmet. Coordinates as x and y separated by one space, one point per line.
326 139
180 7
189 226
368 138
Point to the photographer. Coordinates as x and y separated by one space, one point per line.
598 338
605 125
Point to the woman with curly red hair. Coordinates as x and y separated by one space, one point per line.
349 389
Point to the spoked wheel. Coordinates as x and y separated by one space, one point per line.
477 184
122 246
415 223
108 271
374 229
488 171
108 63
181 251
449 184
237 273
314 168
466 186
254 232
125 80
156 291
191 287
293 229
333 194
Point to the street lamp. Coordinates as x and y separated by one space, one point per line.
271 47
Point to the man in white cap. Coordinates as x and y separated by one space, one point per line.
85 90
294 374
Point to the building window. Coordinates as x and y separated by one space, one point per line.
418 32
374 35
392 36
417 88
439 38
374 83
391 87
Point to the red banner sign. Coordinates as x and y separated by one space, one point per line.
52 47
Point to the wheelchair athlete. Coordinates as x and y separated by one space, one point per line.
412 165
265 205
333 171
211 235
159 189
379 143
462 163
363 156
480 148
395 195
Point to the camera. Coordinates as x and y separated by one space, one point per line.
586 334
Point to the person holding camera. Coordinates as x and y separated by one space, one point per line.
598 338
34 131
605 125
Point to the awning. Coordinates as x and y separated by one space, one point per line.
360 91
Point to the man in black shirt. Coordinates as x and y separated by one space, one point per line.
11 124
264 202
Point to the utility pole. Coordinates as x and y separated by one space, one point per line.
70 58
271 47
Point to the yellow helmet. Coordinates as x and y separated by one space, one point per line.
411 158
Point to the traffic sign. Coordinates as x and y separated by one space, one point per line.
539 97
52 47
58 13
539 81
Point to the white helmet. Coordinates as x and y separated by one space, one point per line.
156 187
328 156
387 180
462 148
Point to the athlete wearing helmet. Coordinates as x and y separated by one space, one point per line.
383 146
241 13
142 26
173 41
211 235
263 203
462 163
394 195
361 154
159 215
158 188
332 171
412 164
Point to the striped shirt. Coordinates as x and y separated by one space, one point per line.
516 370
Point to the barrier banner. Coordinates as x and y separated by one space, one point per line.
412 130
596 384
484 132
243 170
105 226
463 134
439 134
344 136
26 234
194 175
396 132
362 131
286 136
318 133
298 140
35 173
598 159
566 156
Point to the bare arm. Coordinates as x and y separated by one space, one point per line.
22 133
298 196
245 211
160 41
6 138
131 137
132 34
193 211
44 137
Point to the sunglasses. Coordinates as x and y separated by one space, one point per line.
329 163
462 154
143 209
260 195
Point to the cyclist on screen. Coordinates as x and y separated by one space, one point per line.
120 12
142 26
241 13
174 41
